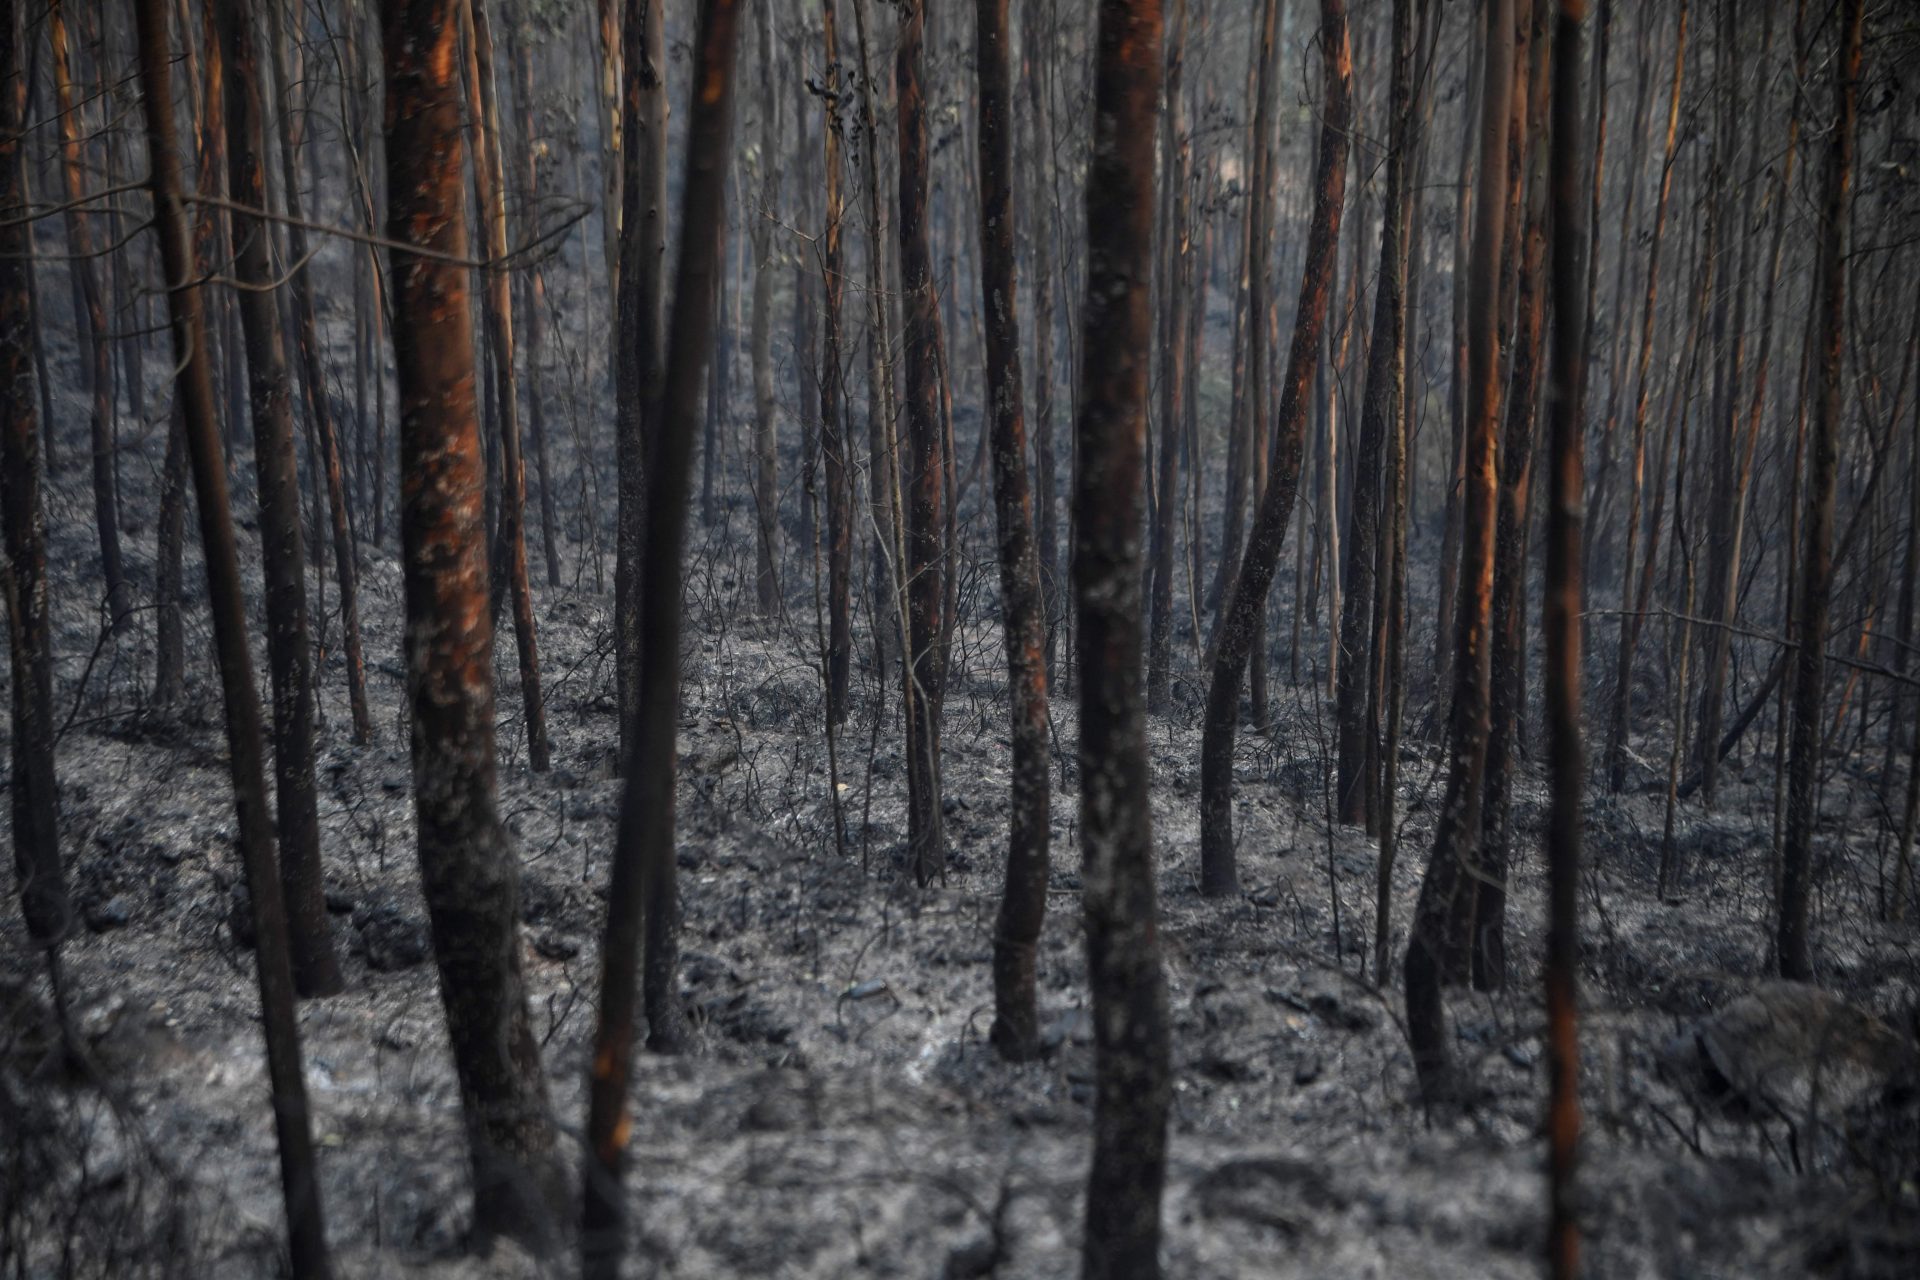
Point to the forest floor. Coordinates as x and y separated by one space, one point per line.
841 1113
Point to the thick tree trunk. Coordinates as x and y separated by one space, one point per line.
316 971
1015 1031
33 789
926 465
643 245
467 864
642 898
1437 944
1794 955
1247 599
1133 1085
273 967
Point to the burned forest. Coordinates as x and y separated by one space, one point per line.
1228 639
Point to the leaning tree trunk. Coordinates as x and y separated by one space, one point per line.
925 465
1248 596
1133 1086
273 964
1816 569
23 573
1437 944
642 897
316 971
1016 936
643 243
467 864
80 243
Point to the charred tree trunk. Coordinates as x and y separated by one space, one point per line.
643 245
766 477
1560 625
34 791
643 898
1247 600
1175 158
534 297
1379 414
468 868
510 540
80 243
1133 1085
1040 223
273 965
925 465
1437 944
1816 568
316 972
835 454
1016 937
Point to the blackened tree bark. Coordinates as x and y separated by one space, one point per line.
319 412
467 865
1560 625
1040 224
925 465
316 971
1133 1088
766 461
1437 944
23 574
534 289
1379 415
1175 156
80 243
1816 569
643 245
1620 713
1506 689
273 965
834 446
510 542
642 897
1247 600
1016 936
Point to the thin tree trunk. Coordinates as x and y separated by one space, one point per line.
273 967
1248 596
1796 862
1437 944
1620 712
834 449
1175 163
1560 627
642 898
468 867
316 971
1133 1085
80 243
1015 1031
1380 411
534 300
766 484
926 467
643 245
33 789
1040 226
